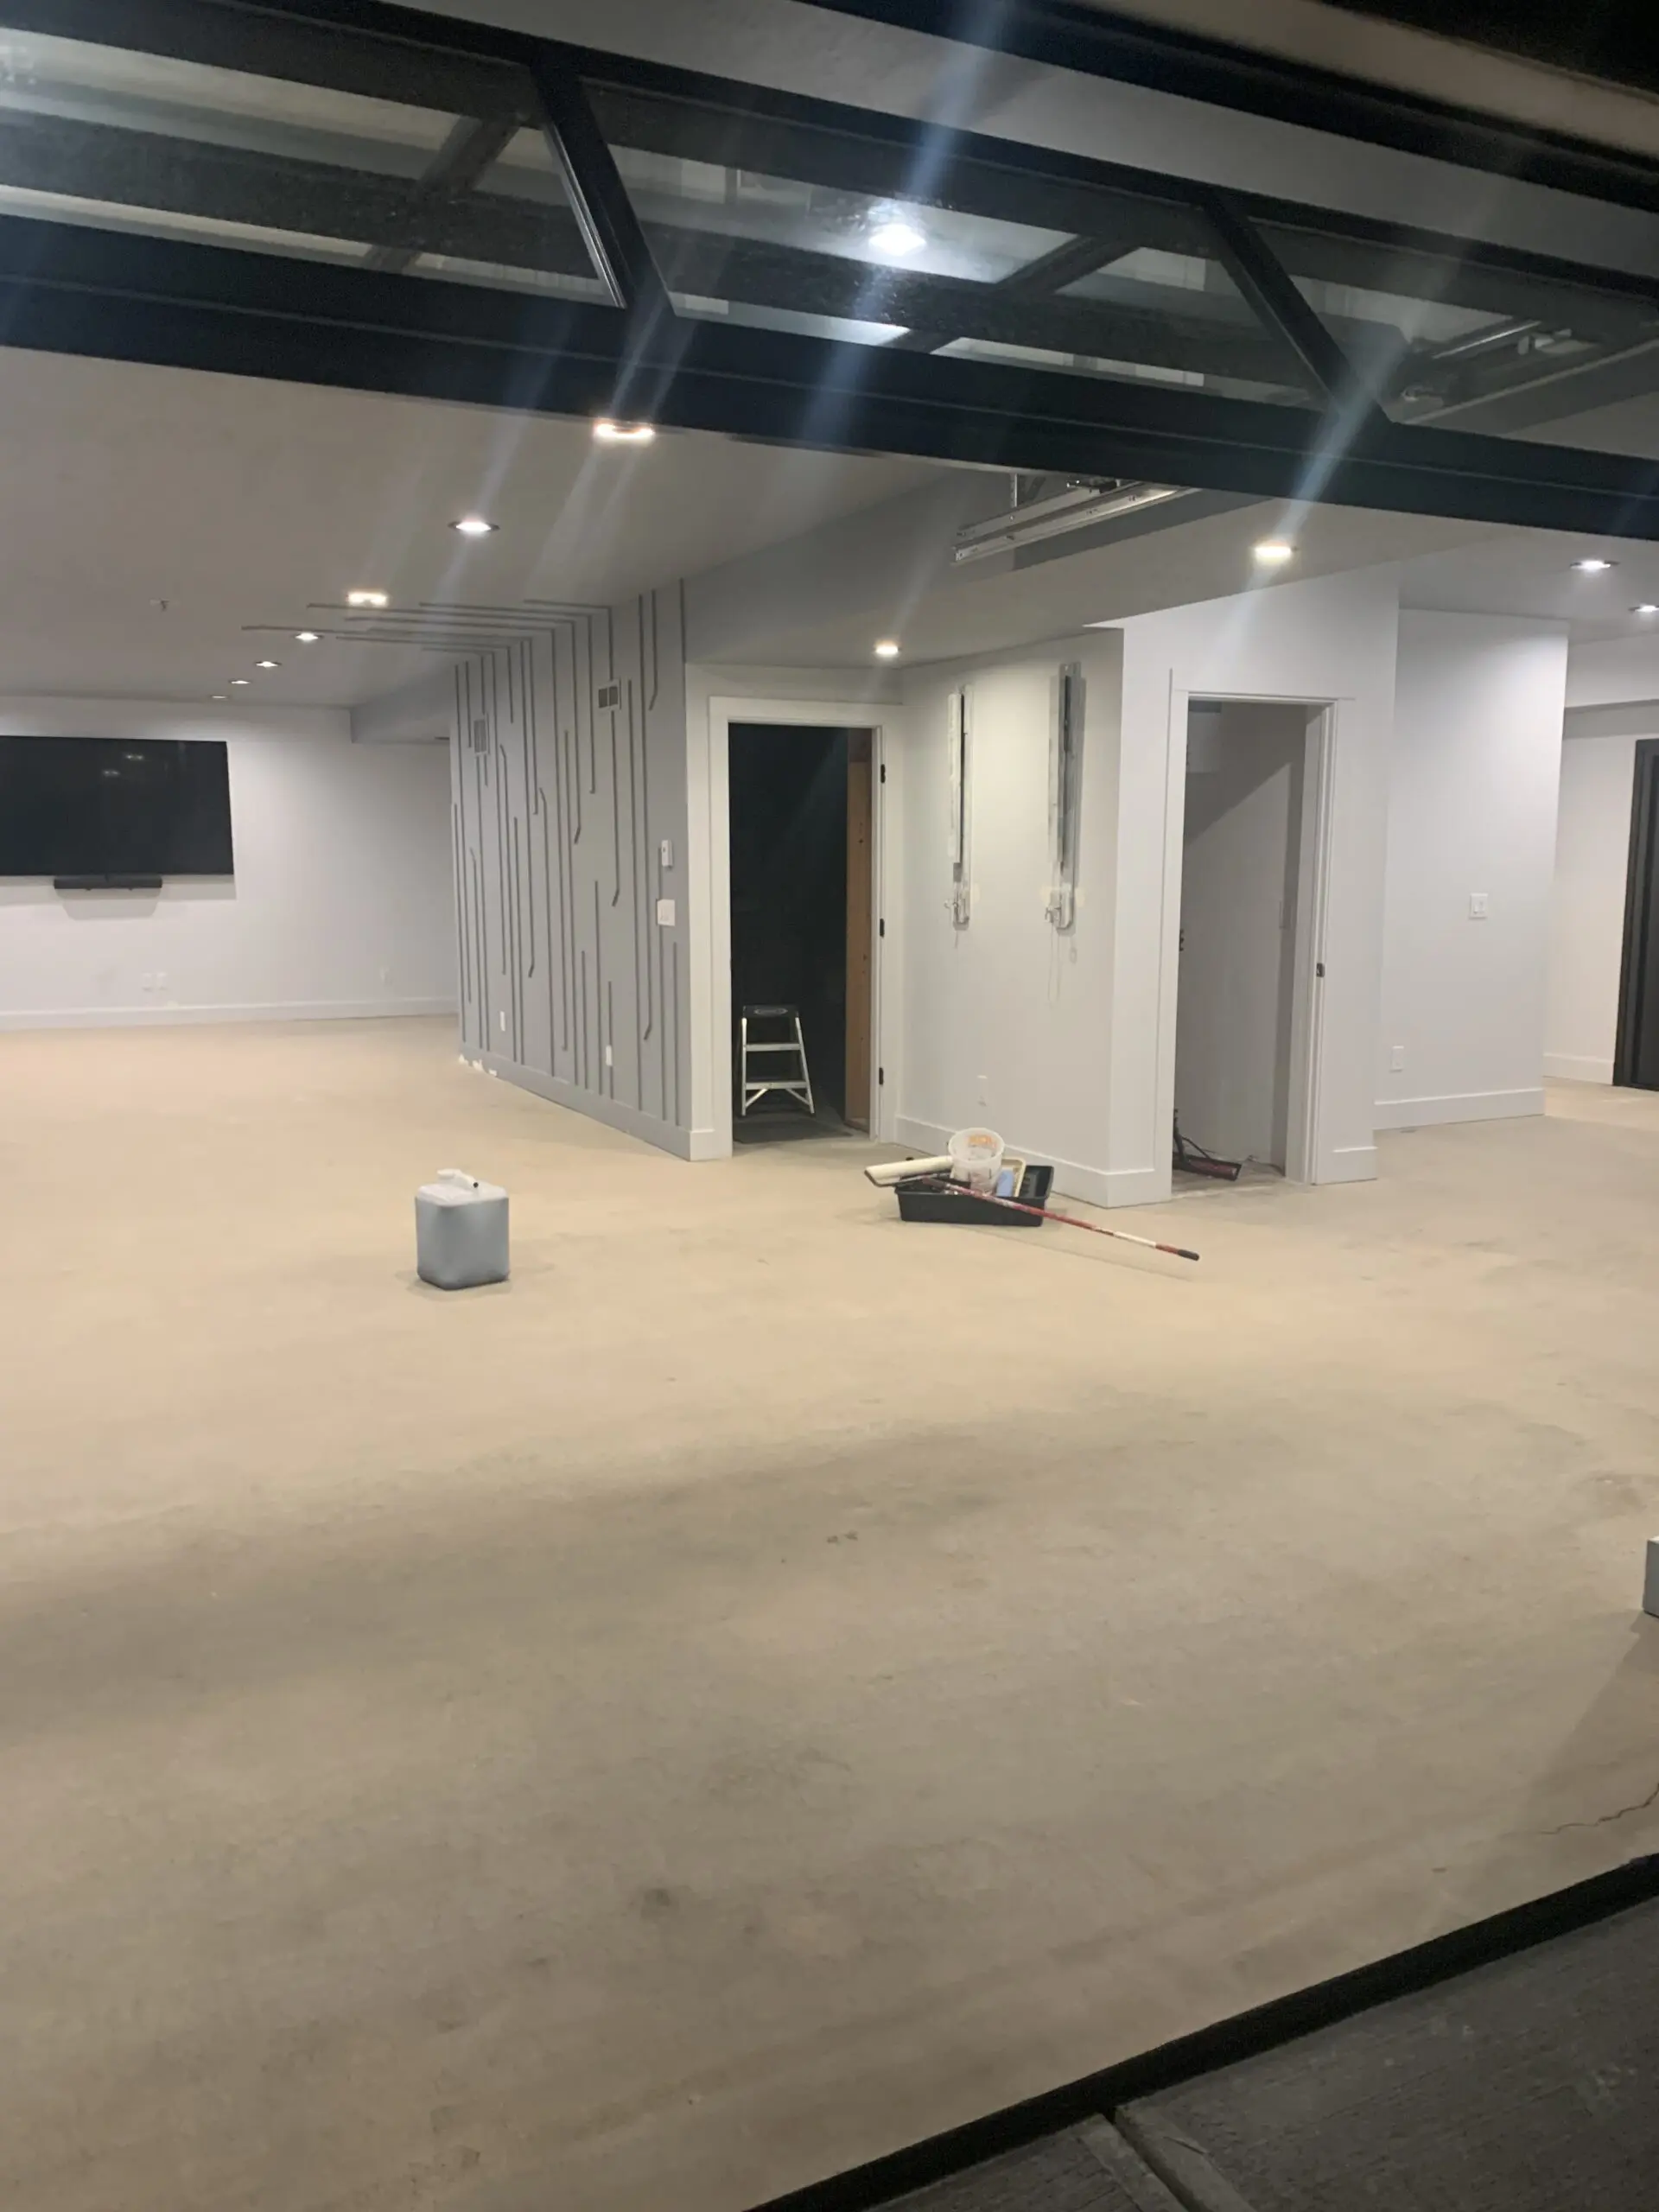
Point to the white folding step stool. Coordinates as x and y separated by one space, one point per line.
792 1085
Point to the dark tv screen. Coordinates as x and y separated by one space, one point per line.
114 806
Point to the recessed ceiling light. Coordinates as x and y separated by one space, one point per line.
305 637
623 434
888 649
1593 567
240 682
367 599
473 526
1646 607
1272 550
895 239
219 695
267 663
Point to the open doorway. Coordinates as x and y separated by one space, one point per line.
1246 1005
800 804
1636 1057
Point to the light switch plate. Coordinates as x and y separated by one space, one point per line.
1478 907
665 852
665 913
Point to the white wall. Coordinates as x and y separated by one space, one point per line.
1076 1037
1006 1020
1610 671
342 902
1475 769
1239 866
1332 639
1587 923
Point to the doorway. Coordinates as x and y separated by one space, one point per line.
1247 989
800 804
1636 1055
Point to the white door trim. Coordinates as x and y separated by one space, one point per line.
1305 1161
715 1040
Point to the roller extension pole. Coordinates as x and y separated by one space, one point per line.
1048 1213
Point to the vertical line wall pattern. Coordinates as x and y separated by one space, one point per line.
562 807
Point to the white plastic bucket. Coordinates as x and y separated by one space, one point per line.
975 1158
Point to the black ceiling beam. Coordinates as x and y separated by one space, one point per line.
599 199
1038 279
67 288
401 220
1273 294
395 52
1078 35
400 217
418 72
471 148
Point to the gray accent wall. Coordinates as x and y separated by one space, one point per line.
570 772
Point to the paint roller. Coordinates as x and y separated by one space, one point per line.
892 1172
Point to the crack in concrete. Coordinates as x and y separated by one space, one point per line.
1604 1820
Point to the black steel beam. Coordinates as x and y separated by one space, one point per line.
390 61
402 52
472 147
1078 34
403 217
68 289
401 220
1038 279
598 197
1274 296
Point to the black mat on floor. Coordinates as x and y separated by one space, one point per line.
1083 2170
1510 2067
1531 2085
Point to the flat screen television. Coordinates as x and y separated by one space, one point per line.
114 807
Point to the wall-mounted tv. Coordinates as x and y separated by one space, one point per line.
114 807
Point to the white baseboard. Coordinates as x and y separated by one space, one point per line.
650 1128
1350 1163
1568 1067
175 1017
1098 1186
1458 1106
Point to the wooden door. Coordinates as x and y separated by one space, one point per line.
861 821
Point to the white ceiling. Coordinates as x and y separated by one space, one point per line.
240 503
1531 572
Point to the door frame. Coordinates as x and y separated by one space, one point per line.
1304 1129
1639 889
801 714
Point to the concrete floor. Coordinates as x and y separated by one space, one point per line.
768 1683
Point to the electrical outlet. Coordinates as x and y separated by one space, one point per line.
982 1086
1396 1059
502 1017
665 852
1477 908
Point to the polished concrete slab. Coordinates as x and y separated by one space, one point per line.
767 1683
